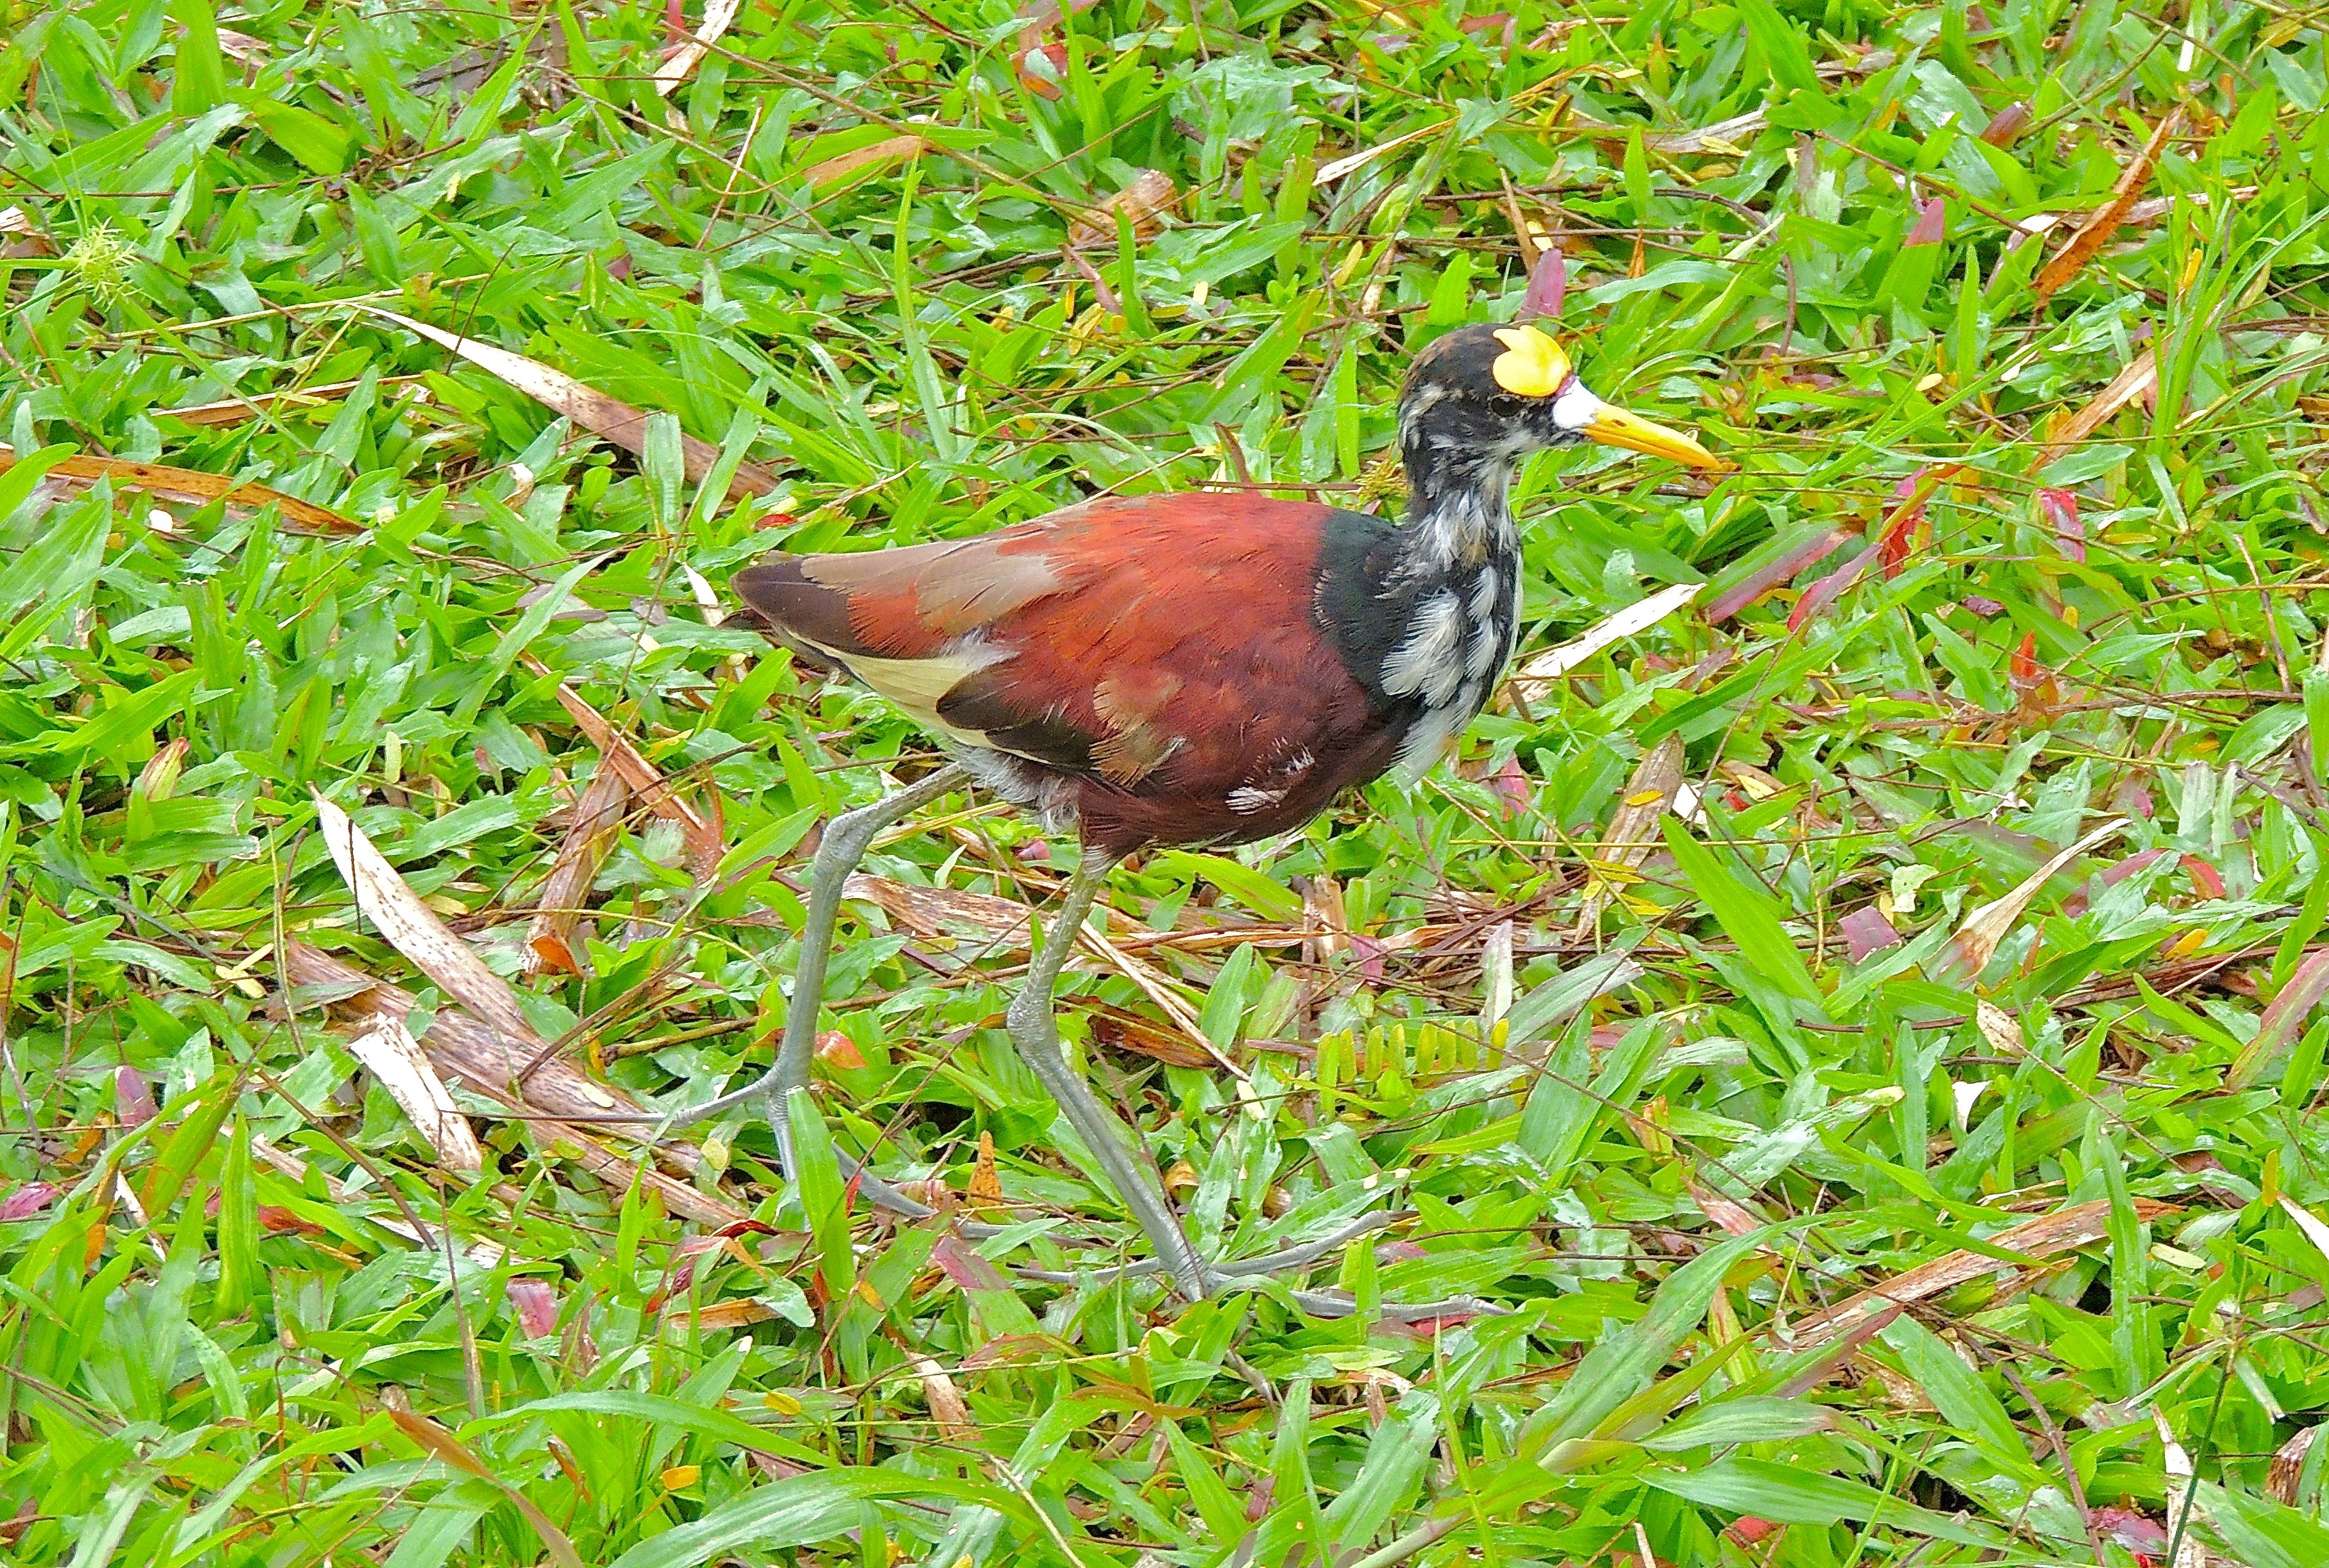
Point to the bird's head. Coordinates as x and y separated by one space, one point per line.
1492 395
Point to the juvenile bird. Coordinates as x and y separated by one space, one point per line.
1187 669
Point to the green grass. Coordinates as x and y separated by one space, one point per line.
209 1357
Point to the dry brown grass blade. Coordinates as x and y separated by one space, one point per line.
864 160
2138 377
702 836
2096 232
2150 210
949 1409
2288 1467
946 912
21 238
1118 1029
1350 163
550 946
717 17
482 1056
236 410
735 1312
414 929
391 1055
1633 830
1158 989
1968 952
192 485
2063 1231
486 1060
609 418
1145 200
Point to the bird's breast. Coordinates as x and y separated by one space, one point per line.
1426 633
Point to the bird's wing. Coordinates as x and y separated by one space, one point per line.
1126 641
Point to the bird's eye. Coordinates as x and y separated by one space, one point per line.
1533 365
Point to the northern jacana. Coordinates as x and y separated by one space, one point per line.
1187 669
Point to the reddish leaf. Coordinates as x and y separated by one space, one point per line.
1896 541
2282 1020
1512 786
1426 1328
1750 1531
27 1200
965 1268
1041 68
838 1050
2031 680
2006 124
1734 1217
1548 285
2115 875
1980 606
2061 510
1867 930
1829 588
1369 953
537 1307
133 1097
747 1228
2205 881
1755 584
2076 904
2127 1527
1930 227
1041 15
276 1220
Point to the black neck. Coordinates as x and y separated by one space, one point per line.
1459 513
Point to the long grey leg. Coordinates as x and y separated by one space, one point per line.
846 839
1035 1032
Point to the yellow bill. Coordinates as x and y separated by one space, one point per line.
1613 427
